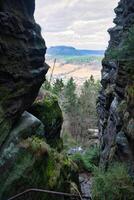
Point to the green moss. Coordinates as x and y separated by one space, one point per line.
56 144
34 164
36 145
87 161
53 170
115 184
16 175
52 111
49 112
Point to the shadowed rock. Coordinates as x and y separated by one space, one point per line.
22 68
26 160
116 100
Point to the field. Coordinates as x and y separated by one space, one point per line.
84 59
78 67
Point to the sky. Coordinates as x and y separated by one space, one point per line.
82 24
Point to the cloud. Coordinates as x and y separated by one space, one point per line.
79 23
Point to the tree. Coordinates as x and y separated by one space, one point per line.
70 96
58 86
81 110
69 106
87 107
47 86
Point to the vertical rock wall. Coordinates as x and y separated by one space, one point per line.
116 99
22 68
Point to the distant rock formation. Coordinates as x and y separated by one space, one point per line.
116 100
71 51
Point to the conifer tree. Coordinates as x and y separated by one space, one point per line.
58 86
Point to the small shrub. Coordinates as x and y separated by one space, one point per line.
91 158
87 161
115 184
78 159
35 145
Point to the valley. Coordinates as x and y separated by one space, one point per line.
71 64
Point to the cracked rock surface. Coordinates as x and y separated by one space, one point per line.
22 61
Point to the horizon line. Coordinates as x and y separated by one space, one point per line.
76 47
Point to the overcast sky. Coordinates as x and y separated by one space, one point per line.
79 23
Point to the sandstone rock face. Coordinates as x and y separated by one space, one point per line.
116 100
22 68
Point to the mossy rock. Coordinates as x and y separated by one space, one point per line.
35 165
48 111
56 143
27 161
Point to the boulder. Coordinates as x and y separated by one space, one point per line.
27 161
46 108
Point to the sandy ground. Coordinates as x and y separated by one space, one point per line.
80 73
